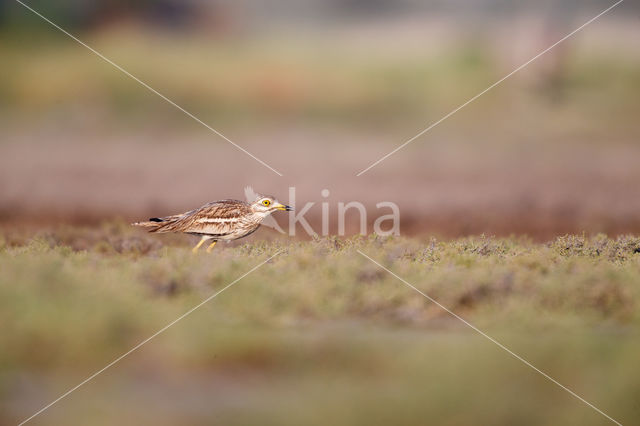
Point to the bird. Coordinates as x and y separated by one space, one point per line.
222 220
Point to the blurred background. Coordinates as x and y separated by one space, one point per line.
319 91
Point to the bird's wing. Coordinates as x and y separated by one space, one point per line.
217 218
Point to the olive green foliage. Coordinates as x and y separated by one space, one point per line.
319 334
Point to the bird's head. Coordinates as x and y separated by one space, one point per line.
265 205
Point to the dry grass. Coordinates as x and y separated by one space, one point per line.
319 328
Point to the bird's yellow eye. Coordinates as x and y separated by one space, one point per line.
266 202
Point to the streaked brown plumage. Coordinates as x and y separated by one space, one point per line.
220 220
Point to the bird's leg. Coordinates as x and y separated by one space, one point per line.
211 246
195 249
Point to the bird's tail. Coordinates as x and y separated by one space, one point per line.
153 224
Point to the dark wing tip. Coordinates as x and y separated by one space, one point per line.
155 219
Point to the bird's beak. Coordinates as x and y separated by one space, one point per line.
283 207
